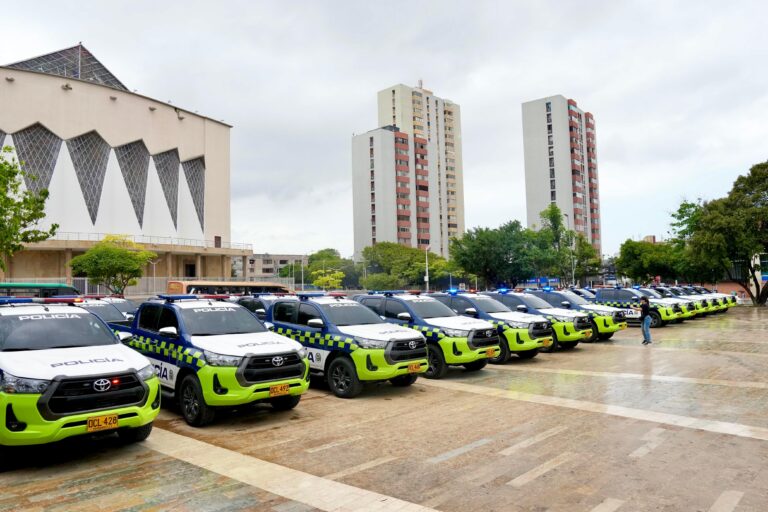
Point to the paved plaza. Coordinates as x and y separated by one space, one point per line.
612 426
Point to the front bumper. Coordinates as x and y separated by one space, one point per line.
372 365
667 314
221 386
458 351
566 331
606 324
520 340
686 313
38 430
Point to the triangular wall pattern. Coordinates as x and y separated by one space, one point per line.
37 149
194 170
134 165
90 154
167 165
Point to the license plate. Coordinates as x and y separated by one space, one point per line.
489 352
99 423
414 367
547 342
279 390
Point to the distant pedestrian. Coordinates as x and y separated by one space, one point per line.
645 320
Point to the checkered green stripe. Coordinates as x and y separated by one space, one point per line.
429 332
622 305
173 352
319 340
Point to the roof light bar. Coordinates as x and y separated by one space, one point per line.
39 300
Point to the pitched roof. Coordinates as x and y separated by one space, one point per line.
75 62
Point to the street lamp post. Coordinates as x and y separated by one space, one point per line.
153 263
573 260
426 269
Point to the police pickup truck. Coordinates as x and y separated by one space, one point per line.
209 353
452 340
687 307
64 373
569 327
606 320
521 334
628 299
349 344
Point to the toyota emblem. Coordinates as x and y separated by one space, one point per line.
278 361
489 334
413 344
102 385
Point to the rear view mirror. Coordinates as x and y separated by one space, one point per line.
316 323
405 317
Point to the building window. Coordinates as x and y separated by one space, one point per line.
371 163
552 195
370 141
552 184
371 152
549 107
551 151
552 172
267 270
551 161
549 140
549 120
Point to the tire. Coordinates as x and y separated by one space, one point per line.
553 347
595 333
135 435
475 366
192 403
568 345
504 353
403 381
285 403
656 320
342 378
605 336
437 366
527 354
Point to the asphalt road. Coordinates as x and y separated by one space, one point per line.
681 425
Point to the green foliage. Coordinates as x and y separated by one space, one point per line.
327 279
642 261
20 211
116 262
381 281
587 261
405 265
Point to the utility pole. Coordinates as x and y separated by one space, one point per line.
426 269
573 256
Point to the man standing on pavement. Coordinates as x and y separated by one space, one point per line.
645 320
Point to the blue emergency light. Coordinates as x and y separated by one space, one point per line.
503 291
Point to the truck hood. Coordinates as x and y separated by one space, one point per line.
670 301
517 316
72 362
459 322
661 302
597 308
256 343
383 332
563 312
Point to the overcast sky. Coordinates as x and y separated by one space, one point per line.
679 91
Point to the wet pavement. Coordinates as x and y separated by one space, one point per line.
678 426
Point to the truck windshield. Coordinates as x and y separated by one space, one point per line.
214 321
45 330
125 306
106 312
651 293
490 305
344 313
586 293
533 301
573 298
430 308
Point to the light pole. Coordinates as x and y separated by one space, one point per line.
426 269
573 260
153 263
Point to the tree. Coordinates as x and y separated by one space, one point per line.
405 264
643 261
586 259
116 262
381 281
326 279
20 211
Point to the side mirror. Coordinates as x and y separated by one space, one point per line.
316 323
523 309
382 317
260 313
566 304
171 332
470 312
405 317
124 337
269 325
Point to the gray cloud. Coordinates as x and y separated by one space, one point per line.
678 90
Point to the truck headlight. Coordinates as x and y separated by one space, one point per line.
517 325
214 359
369 343
19 385
302 353
563 318
455 333
146 373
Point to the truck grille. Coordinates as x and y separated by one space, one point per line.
676 308
482 338
77 395
406 350
272 367
618 316
540 329
582 323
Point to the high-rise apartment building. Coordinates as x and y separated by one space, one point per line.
407 176
561 164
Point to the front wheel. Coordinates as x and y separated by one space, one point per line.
342 378
527 354
570 345
437 367
606 336
656 319
403 381
595 333
285 403
553 346
504 352
135 435
475 365
193 407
